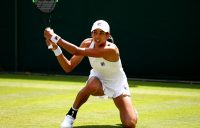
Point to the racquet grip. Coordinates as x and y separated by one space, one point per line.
50 46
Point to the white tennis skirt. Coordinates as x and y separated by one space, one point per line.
114 86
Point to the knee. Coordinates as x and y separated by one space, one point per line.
91 88
92 85
130 123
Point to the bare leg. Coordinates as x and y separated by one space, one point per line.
93 87
127 111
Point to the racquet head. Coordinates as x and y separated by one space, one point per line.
45 6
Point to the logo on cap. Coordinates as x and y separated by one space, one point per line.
99 24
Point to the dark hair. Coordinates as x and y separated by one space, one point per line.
111 39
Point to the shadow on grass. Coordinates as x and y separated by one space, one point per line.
99 126
166 84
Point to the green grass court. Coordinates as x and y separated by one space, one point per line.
41 101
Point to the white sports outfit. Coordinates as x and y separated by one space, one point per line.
111 74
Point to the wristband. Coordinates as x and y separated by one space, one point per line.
58 51
55 38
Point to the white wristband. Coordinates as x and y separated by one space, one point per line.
55 38
58 51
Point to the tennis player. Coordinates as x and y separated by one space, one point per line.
106 77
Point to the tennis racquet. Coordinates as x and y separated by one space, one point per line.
46 8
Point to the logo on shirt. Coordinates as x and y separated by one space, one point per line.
102 64
125 88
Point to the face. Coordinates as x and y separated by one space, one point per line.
99 37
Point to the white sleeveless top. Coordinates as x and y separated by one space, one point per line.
111 75
107 70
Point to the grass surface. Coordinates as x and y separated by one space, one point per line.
41 101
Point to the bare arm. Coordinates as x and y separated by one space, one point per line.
69 65
66 64
71 48
109 52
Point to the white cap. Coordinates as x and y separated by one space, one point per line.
101 24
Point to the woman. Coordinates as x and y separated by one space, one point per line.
106 76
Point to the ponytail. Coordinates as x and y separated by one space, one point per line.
111 39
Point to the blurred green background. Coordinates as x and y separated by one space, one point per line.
157 39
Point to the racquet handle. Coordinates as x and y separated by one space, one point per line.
50 46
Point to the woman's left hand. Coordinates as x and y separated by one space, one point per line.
48 32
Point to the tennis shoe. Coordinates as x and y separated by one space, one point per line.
67 122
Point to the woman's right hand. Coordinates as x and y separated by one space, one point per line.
48 32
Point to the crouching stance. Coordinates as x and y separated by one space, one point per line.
107 76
